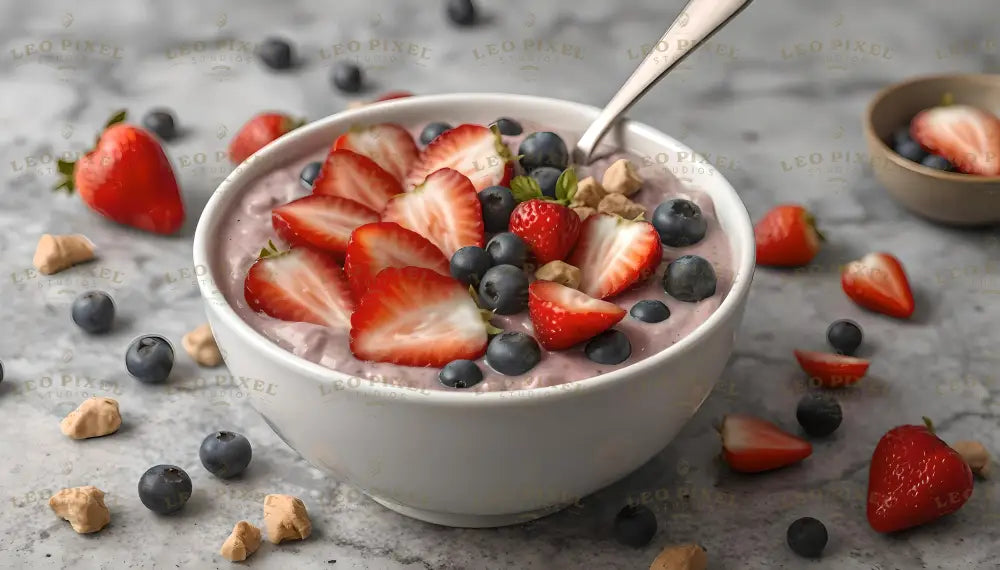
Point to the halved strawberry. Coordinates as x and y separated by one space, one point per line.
614 253
414 316
968 137
752 445
374 247
444 209
831 370
786 237
877 282
562 316
324 222
299 285
389 145
474 150
356 177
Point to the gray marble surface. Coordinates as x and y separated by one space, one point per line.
784 85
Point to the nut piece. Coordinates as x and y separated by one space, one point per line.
286 518
619 205
356 104
622 178
242 542
55 253
588 193
975 455
83 507
95 417
560 272
200 346
584 212
683 557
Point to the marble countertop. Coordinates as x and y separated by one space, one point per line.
774 102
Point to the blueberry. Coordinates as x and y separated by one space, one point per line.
635 525
609 347
309 173
900 136
1 371
461 12
94 311
911 150
679 222
469 264
432 131
460 374
689 278
275 53
543 149
650 311
507 249
498 203
225 454
504 289
513 353
818 414
164 488
546 176
508 126
937 162
845 336
161 122
807 537
149 359
347 77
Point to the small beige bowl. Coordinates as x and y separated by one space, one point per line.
946 197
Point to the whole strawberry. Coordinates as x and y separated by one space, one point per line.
914 478
786 237
256 133
550 229
127 179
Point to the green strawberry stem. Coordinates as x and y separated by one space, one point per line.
66 168
270 250
929 424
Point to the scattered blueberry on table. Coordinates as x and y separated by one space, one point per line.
508 126
161 123
819 414
513 353
844 336
275 53
507 249
225 454
460 374
164 489
149 359
543 149
635 526
807 537
504 289
498 204
432 131
309 173
689 278
650 311
94 312
609 347
347 77
461 12
469 264
679 222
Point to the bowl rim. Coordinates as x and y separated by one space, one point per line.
915 167
741 232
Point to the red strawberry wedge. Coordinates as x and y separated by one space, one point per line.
563 317
444 209
258 132
831 370
914 478
550 229
878 283
374 247
752 445
324 222
356 177
414 316
389 145
614 253
968 137
299 285
474 150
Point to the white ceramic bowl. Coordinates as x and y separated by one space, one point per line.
470 459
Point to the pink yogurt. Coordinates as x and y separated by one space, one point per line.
248 228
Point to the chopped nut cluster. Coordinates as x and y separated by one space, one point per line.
619 205
242 542
95 417
584 212
55 253
286 518
622 178
201 347
560 272
588 193
83 507
975 455
683 557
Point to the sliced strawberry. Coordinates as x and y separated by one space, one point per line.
550 229
374 247
878 282
474 150
299 285
614 253
968 137
752 445
831 370
562 316
444 209
324 222
389 145
414 316
356 177
786 237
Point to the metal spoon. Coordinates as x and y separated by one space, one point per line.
695 24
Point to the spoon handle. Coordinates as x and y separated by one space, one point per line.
695 24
